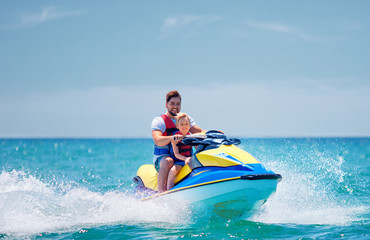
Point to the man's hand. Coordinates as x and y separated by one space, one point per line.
177 138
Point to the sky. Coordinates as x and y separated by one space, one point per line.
249 68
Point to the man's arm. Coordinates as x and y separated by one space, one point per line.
159 139
195 129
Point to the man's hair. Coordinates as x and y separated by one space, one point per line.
172 94
180 116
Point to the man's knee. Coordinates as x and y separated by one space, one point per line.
167 162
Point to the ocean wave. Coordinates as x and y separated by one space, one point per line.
30 206
312 195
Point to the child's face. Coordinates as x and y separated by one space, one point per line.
184 126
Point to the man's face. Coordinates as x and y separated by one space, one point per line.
174 106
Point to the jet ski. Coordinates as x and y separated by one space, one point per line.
220 177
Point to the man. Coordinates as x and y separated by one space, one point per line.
162 129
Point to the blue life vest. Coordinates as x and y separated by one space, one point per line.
170 129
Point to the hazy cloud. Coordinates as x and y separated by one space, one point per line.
282 28
246 109
354 26
46 14
185 24
271 26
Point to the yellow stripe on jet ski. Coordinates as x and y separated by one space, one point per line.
192 186
200 172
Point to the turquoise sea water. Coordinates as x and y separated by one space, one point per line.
82 189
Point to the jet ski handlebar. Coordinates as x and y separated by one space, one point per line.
194 142
212 137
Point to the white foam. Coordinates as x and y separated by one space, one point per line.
29 206
303 198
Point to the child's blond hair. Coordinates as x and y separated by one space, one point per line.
180 116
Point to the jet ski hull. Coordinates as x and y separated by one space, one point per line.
228 197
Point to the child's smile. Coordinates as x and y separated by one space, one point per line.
184 126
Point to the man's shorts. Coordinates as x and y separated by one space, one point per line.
157 159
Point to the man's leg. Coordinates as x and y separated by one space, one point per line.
165 164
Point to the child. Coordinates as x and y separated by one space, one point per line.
182 153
